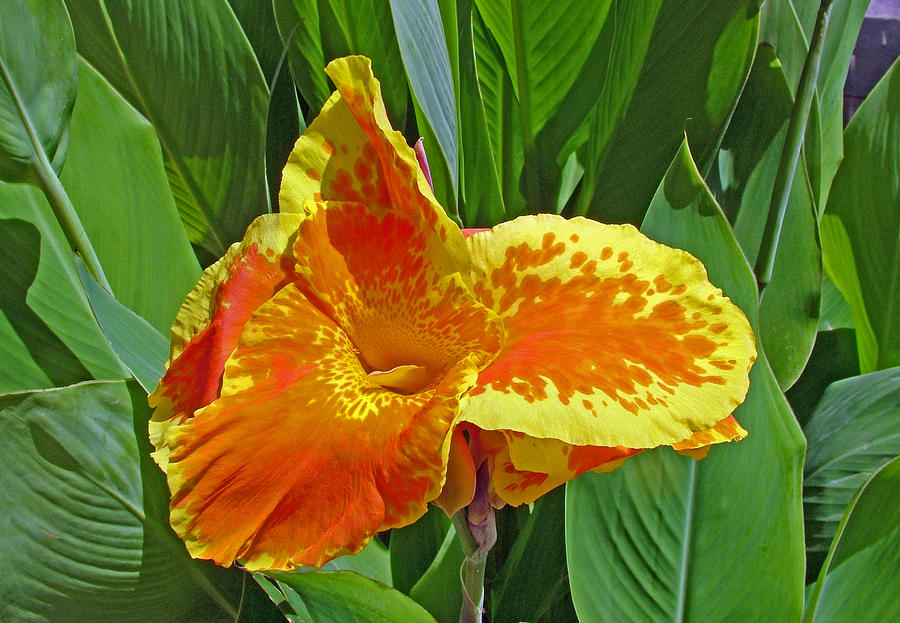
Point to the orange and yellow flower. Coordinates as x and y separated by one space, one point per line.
355 356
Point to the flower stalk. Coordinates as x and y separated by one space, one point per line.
477 532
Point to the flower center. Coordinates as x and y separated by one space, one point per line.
405 379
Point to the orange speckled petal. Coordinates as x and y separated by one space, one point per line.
303 457
375 274
209 322
350 152
612 339
524 468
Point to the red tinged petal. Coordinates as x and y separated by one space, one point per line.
210 320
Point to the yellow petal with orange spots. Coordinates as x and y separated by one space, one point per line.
611 339
303 457
210 320
350 152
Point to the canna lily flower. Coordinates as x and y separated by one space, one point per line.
356 357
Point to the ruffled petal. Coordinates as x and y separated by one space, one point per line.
612 339
525 468
210 320
350 152
303 457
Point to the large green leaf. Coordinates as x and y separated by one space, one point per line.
423 48
48 335
188 68
698 55
85 516
37 85
852 433
860 580
298 25
439 589
865 204
667 538
133 223
346 597
748 161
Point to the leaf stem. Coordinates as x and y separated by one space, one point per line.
793 143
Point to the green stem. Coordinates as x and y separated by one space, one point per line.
793 142
68 218
471 573
55 193
477 533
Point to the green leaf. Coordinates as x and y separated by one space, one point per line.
861 225
133 223
859 581
345 596
748 161
788 25
533 577
852 433
502 119
189 69
696 62
141 348
667 538
373 561
833 358
85 516
482 202
834 311
48 335
439 590
37 85
298 25
257 18
423 49
547 47
414 547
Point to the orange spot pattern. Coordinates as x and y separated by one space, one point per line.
370 273
637 353
400 174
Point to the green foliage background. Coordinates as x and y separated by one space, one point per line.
147 134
